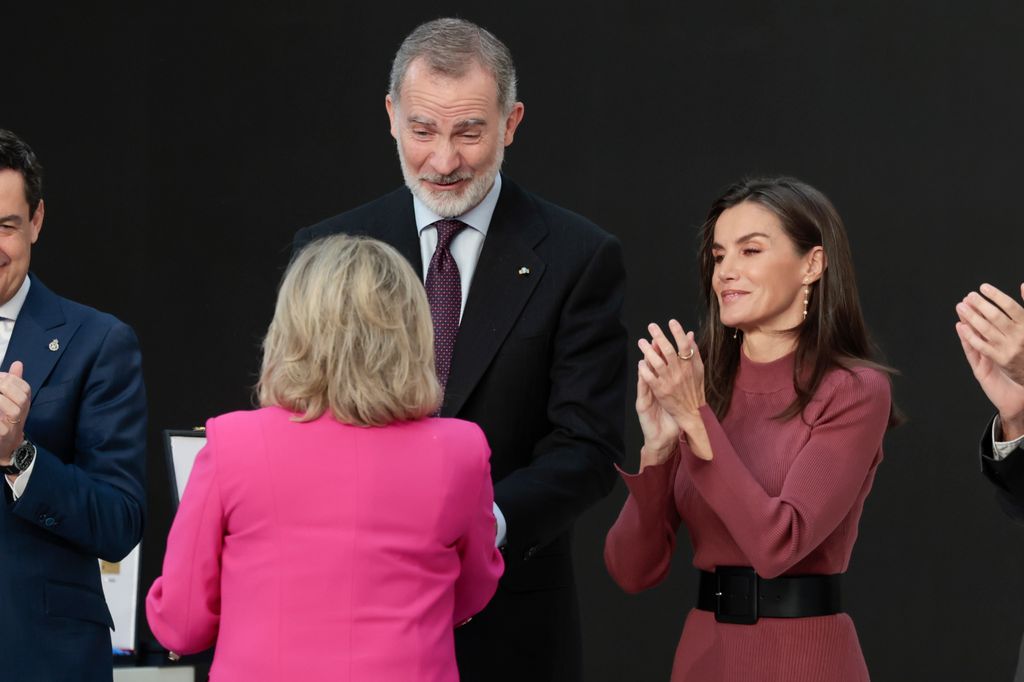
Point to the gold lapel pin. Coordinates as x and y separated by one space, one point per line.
54 345
524 271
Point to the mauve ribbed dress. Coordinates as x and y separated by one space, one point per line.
782 496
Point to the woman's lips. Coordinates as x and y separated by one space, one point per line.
731 296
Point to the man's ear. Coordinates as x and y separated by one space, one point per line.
35 224
515 117
392 112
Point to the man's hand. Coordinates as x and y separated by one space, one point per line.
15 397
991 331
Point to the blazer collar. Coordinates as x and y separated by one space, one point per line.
41 335
395 224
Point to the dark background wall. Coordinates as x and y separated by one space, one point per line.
185 146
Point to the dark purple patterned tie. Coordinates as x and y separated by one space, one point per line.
444 292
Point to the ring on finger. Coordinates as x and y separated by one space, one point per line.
12 421
687 356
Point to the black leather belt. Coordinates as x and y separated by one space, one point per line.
736 594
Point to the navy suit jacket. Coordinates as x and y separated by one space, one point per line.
85 498
540 364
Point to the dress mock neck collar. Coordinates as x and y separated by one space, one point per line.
765 377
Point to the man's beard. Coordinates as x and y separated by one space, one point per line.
451 204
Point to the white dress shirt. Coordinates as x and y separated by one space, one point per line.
465 248
466 245
1002 448
8 316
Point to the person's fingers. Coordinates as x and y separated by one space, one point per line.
962 330
11 383
697 360
1010 307
682 339
992 313
647 378
655 361
662 343
978 343
979 346
16 391
644 397
979 323
10 407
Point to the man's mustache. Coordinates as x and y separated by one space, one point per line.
449 179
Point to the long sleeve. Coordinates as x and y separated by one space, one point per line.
572 466
1007 473
481 561
638 548
183 605
94 497
827 476
19 485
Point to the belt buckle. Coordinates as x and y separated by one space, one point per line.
736 595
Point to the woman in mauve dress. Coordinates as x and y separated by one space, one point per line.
763 438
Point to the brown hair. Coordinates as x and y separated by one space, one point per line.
833 334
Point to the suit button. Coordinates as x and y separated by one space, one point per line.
50 522
528 554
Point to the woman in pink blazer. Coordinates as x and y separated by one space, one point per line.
337 533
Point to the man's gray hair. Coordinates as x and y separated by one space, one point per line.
450 47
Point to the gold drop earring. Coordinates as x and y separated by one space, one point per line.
807 298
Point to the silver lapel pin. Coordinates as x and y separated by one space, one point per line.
524 271
54 345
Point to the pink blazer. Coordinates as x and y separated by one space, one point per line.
321 551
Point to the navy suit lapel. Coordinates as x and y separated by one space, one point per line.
40 335
497 293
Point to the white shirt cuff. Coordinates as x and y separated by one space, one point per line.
499 538
1000 449
21 482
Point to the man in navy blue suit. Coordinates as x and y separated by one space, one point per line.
72 453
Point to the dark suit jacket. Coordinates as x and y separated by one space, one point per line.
539 364
1007 474
85 498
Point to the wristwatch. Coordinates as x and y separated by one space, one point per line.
21 459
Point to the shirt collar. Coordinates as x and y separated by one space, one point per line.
478 217
11 309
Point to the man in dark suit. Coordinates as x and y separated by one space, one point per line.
991 330
526 299
72 453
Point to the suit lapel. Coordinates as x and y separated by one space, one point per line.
41 334
498 292
396 225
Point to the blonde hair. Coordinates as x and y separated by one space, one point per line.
351 333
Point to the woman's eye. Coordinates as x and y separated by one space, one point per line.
717 258
749 251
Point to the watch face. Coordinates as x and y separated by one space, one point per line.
22 457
